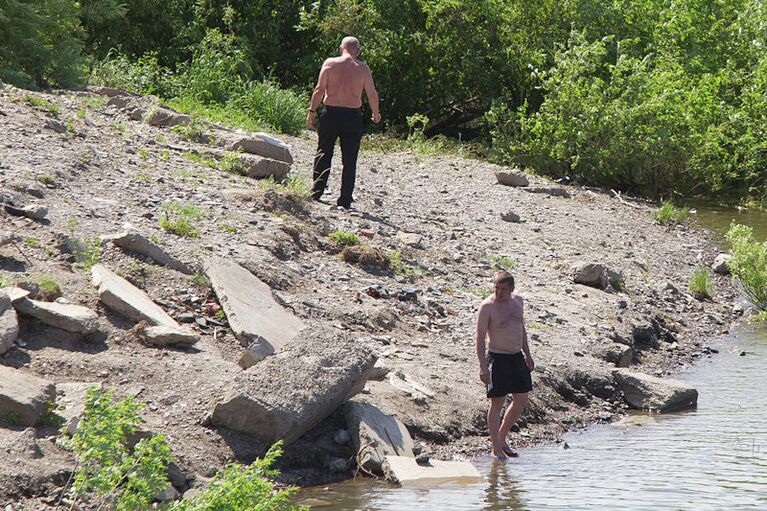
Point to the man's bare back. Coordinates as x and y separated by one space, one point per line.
346 79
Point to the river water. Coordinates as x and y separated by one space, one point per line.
712 458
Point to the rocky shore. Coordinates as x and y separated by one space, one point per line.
88 182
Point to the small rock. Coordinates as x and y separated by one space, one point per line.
511 177
510 216
720 264
33 212
337 465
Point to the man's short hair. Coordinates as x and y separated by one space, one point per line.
504 277
350 43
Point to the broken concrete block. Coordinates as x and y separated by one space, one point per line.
645 392
259 167
9 323
376 435
403 470
287 394
163 335
254 316
69 317
137 243
262 145
24 398
124 298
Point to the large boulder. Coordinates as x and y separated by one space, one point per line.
260 144
645 392
261 167
511 177
67 316
137 243
9 323
596 275
126 299
376 435
404 470
24 398
255 317
289 393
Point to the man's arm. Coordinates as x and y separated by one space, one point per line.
372 94
482 324
526 347
318 95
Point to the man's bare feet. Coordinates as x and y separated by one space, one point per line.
509 452
499 454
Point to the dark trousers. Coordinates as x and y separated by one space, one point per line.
346 124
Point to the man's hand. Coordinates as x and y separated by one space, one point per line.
311 119
484 375
530 364
376 118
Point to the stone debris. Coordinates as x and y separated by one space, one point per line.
255 317
596 275
406 471
720 264
645 392
69 317
511 177
166 118
126 299
33 212
137 243
260 144
287 394
24 398
71 403
259 167
9 323
376 435
163 335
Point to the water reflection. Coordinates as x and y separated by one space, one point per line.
502 491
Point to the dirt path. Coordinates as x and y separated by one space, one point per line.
443 216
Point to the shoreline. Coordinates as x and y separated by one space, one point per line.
450 224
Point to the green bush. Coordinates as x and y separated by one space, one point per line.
243 488
279 109
108 466
749 264
670 214
344 238
701 285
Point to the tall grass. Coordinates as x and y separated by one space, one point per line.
216 85
670 214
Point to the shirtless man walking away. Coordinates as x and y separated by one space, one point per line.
340 86
504 369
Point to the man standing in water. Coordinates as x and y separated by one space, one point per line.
340 86
504 369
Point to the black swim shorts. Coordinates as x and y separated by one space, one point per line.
508 374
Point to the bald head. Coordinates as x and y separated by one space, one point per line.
351 45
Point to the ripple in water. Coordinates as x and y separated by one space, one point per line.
714 458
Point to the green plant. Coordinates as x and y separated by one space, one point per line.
32 242
181 226
88 251
72 224
46 180
504 263
165 154
144 153
93 102
344 238
194 131
230 162
294 186
477 291
49 287
14 419
701 285
399 267
51 417
157 241
199 279
670 214
749 265
243 488
142 177
42 104
107 465
229 228
186 210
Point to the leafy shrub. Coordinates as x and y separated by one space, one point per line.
49 287
281 110
144 76
243 488
670 214
107 464
701 286
181 226
88 252
749 264
344 238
